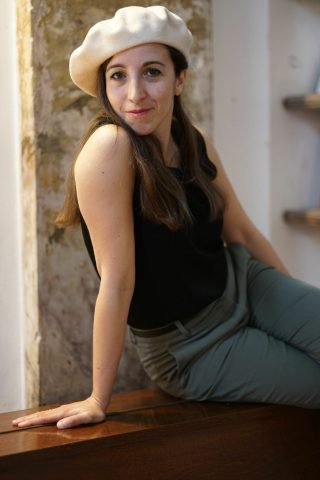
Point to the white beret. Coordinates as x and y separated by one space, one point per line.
130 26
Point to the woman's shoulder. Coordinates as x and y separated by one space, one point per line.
104 176
109 147
109 132
106 139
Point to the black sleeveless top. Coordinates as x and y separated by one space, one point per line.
177 273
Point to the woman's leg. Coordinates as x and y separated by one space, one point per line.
223 356
252 366
274 358
246 366
285 308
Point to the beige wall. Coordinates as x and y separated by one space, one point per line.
11 336
52 124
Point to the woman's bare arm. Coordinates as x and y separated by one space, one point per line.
237 226
104 180
107 210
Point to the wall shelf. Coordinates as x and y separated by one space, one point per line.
303 217
311 101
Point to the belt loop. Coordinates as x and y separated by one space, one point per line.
182 328
132 337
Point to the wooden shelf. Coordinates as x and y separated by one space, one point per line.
307 102
303 217
310 101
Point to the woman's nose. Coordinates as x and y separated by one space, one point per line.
136 90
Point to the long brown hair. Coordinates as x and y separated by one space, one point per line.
162 197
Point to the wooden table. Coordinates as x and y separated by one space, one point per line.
149 435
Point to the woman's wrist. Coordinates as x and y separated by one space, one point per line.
101 403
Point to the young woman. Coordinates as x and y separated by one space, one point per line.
210 307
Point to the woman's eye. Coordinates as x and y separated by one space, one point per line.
117 76
153 72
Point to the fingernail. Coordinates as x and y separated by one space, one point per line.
61 424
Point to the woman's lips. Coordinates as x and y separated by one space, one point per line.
139 112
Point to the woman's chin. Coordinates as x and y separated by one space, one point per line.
141 131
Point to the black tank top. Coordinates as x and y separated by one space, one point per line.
177 273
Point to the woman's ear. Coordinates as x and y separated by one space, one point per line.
180 81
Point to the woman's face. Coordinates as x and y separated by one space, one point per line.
141 85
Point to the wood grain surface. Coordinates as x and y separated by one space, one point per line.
150 435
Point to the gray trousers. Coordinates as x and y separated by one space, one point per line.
259 342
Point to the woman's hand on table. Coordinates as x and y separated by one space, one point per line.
66 416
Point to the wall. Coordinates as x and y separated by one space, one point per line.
241 101
295 146
11 345
264 51
27 141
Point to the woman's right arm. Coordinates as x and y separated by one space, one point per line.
105 180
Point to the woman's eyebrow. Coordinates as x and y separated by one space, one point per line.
145 64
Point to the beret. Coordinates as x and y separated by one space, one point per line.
130 26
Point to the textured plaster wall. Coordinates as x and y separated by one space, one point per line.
29 158
55 115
